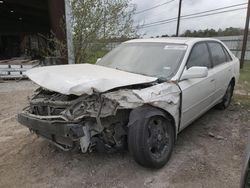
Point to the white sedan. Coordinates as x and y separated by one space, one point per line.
140 95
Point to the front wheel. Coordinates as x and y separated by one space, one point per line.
151 141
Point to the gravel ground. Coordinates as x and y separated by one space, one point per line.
209 153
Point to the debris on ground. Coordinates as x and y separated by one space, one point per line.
197 161
218 137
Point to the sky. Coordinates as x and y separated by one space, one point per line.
229 19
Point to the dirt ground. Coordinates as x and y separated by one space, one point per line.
209 153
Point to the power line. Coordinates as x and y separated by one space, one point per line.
185 18
221 12
148 9
194 15
216 9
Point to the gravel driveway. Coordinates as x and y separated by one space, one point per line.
208 153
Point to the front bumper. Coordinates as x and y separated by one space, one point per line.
57 131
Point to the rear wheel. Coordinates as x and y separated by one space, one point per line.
227 97
151 141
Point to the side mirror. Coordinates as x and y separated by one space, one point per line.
99 59
194 72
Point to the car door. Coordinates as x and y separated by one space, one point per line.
223 70
197 93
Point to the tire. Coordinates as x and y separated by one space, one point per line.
246 178
226 100
151 141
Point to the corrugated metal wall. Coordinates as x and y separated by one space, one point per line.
234 43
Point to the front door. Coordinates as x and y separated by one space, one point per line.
197 93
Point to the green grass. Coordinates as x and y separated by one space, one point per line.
245 76
242 100
94 56
242 96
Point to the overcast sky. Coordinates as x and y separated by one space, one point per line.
229 19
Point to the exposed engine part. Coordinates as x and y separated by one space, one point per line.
85 140
71 107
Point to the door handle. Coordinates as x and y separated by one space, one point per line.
212 80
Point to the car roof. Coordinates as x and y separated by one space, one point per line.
174 40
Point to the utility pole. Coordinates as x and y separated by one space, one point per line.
179 18
104 19
69 21
244 45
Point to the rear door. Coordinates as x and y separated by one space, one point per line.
197 93
223 69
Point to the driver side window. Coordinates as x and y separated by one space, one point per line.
199 56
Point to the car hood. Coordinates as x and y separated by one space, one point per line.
84 78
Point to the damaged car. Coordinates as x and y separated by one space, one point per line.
139 96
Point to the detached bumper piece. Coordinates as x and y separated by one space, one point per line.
63 134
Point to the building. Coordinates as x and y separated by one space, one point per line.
27 27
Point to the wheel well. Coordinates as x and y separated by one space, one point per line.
233 81
171 118
147 111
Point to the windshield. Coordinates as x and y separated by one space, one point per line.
160 60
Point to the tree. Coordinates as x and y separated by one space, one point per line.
98 21
187 33
213 33
164 36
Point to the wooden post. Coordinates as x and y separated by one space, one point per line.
244 45
179 19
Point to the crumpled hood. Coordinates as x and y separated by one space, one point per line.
84 78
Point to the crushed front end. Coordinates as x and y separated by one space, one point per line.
99 121
87 122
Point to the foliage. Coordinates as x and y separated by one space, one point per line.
100 21
231 31
213 33
51 46
244 80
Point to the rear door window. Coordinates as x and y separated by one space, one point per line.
217 52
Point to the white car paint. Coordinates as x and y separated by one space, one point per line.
84 78
197 97
165 96
198 94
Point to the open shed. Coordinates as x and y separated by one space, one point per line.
25 26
